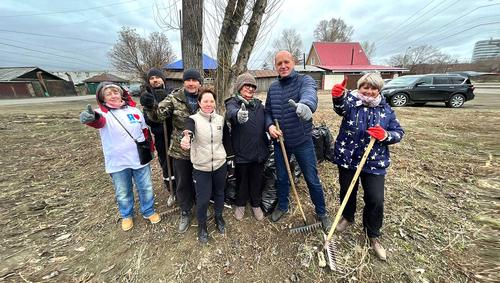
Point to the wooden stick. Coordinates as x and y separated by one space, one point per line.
349 190
285 156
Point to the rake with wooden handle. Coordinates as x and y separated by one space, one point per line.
329 244
307 227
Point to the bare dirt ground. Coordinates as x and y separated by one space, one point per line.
60 222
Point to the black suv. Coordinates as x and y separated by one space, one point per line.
452 89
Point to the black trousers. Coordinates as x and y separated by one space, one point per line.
249 178
183 171
162 158
208 184
373 187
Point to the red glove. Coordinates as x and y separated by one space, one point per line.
377 132
339 89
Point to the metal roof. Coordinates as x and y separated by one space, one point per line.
105 77
11 73
361 68
340 53
208 64
263 73
258 74
308 68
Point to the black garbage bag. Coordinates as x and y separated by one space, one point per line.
295 168
269 189
323 143
230 190
319 144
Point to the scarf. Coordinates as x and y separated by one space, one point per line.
368 100
115 105
252 102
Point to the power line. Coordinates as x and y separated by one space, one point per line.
433 32
433 16
44 52
45 47
117 14
473 27
40 58
56 36
399 27
67 11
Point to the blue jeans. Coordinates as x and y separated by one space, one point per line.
306 157
122 180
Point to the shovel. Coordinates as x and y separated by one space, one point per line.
330 246
307 227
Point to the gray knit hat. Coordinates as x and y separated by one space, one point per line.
244 79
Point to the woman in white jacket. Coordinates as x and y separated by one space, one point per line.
119 123
206 135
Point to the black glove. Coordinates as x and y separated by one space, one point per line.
160 93
147 100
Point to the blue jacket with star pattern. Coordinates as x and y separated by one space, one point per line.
353 136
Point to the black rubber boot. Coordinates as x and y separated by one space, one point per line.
202 233
220 223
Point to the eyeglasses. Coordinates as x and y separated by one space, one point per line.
249 86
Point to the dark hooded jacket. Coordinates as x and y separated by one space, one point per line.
249 140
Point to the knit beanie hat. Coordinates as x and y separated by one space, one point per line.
155 72
244 79
104 85
191 74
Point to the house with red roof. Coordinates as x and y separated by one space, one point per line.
339 59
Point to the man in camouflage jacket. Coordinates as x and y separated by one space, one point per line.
178 106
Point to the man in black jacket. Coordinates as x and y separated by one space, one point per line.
155 92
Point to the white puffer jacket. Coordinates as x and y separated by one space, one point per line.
207 149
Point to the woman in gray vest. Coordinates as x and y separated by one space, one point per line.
204 135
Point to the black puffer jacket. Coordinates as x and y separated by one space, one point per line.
157 128
249 140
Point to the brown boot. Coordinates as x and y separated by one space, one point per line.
127 223
343 224
378 248
239 212
257 213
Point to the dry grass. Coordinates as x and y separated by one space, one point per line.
59 220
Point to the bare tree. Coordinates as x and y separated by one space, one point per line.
290 41
369 48
424 54
236 26
334 30
245 24
135 54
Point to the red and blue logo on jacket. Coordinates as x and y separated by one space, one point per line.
134 118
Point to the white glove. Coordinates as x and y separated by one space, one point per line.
242 114
302 110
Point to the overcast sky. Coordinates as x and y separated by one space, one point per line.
76 35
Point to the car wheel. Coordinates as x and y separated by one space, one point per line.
456 101
399 99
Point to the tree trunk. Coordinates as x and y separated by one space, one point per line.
249 40
233 16
192 34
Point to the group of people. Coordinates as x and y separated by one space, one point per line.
200 140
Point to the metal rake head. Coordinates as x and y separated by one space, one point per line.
330 249
306 228
170 211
